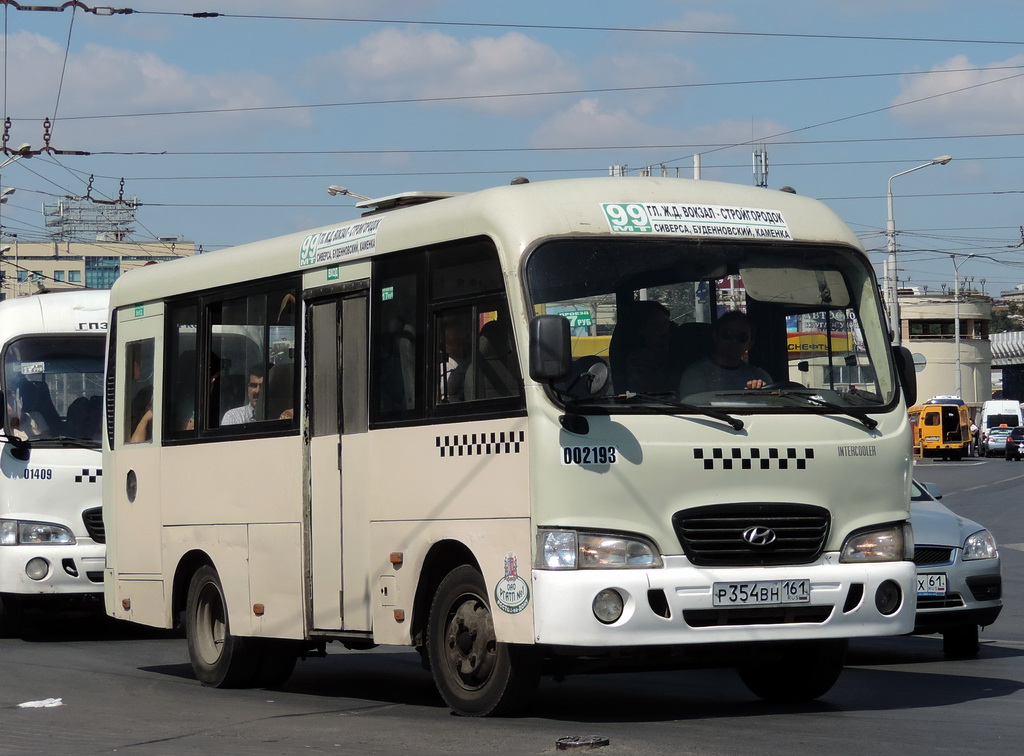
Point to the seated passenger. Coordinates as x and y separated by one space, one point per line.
725 369
247 413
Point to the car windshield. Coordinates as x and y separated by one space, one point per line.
53 387
695 325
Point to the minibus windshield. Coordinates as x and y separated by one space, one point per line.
732 326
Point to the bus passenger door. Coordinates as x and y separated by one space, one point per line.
132 501
338 520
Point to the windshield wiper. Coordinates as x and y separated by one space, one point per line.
869 422
629 397
82 443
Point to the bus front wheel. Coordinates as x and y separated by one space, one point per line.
794 672
475 674
219 659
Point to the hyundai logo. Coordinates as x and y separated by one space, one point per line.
758 535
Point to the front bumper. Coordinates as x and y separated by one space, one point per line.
673 605
70 569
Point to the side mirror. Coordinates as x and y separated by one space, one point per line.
908 375
550 348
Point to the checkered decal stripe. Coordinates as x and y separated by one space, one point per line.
89 476
738 458
480 444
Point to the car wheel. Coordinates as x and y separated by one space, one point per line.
961 642
793 672
475 674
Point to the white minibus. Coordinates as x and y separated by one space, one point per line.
52 348
476 425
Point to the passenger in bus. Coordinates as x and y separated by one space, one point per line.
455 359
39 417
639 350
247 413
726 368
142 416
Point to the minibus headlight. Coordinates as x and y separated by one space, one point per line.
572 550
980 545
16 532
887 543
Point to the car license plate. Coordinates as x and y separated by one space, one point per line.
931 585
761 593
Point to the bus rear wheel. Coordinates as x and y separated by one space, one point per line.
794 672
219 659
475 674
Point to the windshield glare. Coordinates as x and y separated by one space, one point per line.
717 325
53 387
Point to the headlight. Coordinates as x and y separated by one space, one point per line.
16 532
980 545
888 543
572 550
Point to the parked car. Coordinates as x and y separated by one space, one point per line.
993 441
959 584
1015 443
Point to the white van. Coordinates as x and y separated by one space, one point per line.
997 412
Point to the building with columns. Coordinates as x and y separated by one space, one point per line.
928 322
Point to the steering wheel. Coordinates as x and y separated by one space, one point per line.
782 385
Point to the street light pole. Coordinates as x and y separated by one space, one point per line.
890 230
956 318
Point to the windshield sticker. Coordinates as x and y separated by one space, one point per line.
33 368
512 593
351 240
713 221
589 455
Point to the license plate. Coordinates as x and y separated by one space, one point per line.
931 585
761 593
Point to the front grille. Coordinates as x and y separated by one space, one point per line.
784 615
714 535
93 519
932 555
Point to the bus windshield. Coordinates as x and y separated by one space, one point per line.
53 387
717 324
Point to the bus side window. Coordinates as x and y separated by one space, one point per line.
181 410
138 426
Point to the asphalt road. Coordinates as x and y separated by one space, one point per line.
117 688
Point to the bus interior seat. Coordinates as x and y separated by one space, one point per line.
691 342
496 361
280 396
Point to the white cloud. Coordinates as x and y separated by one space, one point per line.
588 123
101 80
415 63
964 100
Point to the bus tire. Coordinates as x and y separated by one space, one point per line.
475 674
795 672
219 659
277 659
11 616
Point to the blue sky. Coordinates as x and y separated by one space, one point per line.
229 129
